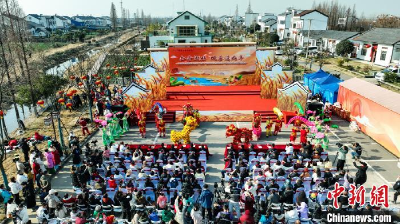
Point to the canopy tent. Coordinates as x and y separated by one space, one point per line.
329 92
317 83
315 75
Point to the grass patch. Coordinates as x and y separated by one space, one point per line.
43 46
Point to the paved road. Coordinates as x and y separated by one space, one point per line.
383 165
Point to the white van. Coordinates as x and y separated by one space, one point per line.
380 76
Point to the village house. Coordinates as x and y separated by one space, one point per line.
325 40
379 45
185 28
307 20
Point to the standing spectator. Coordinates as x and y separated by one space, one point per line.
15 188
206 199
342 151
50 161
361 175
52 200
247 218
25 149
167 215
396 188
5 194
196 216
56 156
82 122
162 201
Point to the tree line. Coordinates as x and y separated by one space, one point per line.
354 22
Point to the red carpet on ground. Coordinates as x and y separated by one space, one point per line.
217 98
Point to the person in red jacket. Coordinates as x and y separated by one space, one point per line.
57 159
112 183
82 122
35 169
247 218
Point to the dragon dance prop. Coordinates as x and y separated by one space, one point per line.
159 110
298 105
177 136
238 134
278 112
305 121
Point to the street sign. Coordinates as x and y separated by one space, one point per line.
55 115
47 121
342 21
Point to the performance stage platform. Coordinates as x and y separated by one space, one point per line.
217 98
219 103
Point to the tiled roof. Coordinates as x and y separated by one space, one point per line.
329 34
305 12
388 36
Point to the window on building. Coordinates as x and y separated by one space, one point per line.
187 17
294 25
363 51
281 22
383 54
288 35
186 31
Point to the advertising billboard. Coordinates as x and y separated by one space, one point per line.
212 65
265 58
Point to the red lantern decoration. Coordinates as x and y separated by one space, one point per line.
74 91
84 77
1 114
40 103
108 65
70 94
108 77
116 72
69 105
95 75
115 67
132 69
61 101
72 77
60 93
80 83
99 78
98 82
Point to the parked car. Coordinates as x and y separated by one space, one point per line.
278 52
380 76
298 50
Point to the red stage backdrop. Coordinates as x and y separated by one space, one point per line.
213 66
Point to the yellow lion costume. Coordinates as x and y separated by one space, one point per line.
177 136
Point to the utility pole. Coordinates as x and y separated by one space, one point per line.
308 37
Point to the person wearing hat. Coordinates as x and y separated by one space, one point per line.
52 200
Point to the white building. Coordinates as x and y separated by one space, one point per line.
307 20
325 40
284 23
185 28
379 45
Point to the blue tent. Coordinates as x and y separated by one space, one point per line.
311 76
329 92
317 83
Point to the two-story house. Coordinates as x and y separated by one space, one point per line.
284 23
267 22
185 28
307 20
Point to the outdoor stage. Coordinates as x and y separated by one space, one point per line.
219 103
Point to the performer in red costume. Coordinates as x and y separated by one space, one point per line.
161 128
303 134
293 135
278 126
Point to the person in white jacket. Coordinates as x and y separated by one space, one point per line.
179 215
196 215
15 188
22 215
21 177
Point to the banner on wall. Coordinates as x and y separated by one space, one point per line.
291 94
377 118
265 58
212 66
159 59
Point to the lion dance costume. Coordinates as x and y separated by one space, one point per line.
257 126
177 136
238 134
